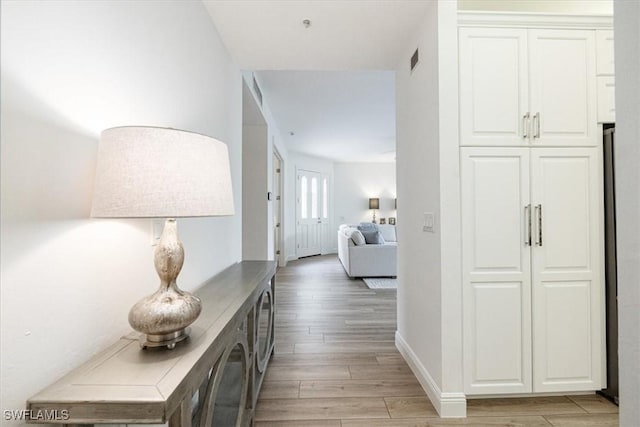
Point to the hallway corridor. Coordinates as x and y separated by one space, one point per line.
336 364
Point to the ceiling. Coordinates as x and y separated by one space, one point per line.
343 35
345 116
330 84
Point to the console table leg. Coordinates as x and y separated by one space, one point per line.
181 417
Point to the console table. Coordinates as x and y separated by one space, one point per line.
212 378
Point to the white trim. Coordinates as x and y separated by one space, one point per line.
533 20
290 258
448 405
529 395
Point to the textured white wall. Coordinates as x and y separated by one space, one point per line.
627 51
69 70
355 183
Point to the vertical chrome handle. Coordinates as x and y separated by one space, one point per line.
525 126
527 220
538 213
536 125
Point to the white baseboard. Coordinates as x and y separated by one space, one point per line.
290 258
448 405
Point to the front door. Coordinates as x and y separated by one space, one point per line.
308 213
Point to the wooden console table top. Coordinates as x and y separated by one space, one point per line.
125 384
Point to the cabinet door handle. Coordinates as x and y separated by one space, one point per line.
525 126
536 125
538 213
527 220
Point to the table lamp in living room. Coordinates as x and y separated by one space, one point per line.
150 172
374 204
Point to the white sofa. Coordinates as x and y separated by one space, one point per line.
368 260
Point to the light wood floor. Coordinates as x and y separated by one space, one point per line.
336 365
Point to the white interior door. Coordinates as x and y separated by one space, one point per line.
567 282
496 270
308 213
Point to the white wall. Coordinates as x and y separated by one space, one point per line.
275 142
255 180
355 183
627 51
69 70
418 166
429 289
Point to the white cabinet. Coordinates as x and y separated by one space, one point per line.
522 87
606 99
493 86
532 286
604 45
606 79
567 285
496 270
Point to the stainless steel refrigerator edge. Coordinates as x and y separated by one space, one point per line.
611 391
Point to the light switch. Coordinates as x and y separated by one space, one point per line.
429 222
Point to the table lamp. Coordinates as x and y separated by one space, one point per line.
150 172
373 205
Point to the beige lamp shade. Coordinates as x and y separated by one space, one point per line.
374 203
149 172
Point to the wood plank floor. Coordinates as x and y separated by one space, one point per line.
336 365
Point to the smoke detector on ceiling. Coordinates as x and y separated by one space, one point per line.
306 23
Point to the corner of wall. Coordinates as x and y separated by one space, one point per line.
448 405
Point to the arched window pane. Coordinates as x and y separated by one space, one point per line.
303 197
314 198
324 199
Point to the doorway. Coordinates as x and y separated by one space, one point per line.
312 217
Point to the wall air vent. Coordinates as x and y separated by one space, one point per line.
257 91
414 60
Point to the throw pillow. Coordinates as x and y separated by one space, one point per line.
368 226
373 237
358 238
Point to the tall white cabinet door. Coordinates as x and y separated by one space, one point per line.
563 88
567 280
493 86
496 270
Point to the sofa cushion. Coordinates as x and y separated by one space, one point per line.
373 237
357 237
388 232
368 226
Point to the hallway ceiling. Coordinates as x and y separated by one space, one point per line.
343 35
345 116
330 84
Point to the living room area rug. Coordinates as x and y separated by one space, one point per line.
381 282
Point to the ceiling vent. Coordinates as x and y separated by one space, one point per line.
414 60
257 91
